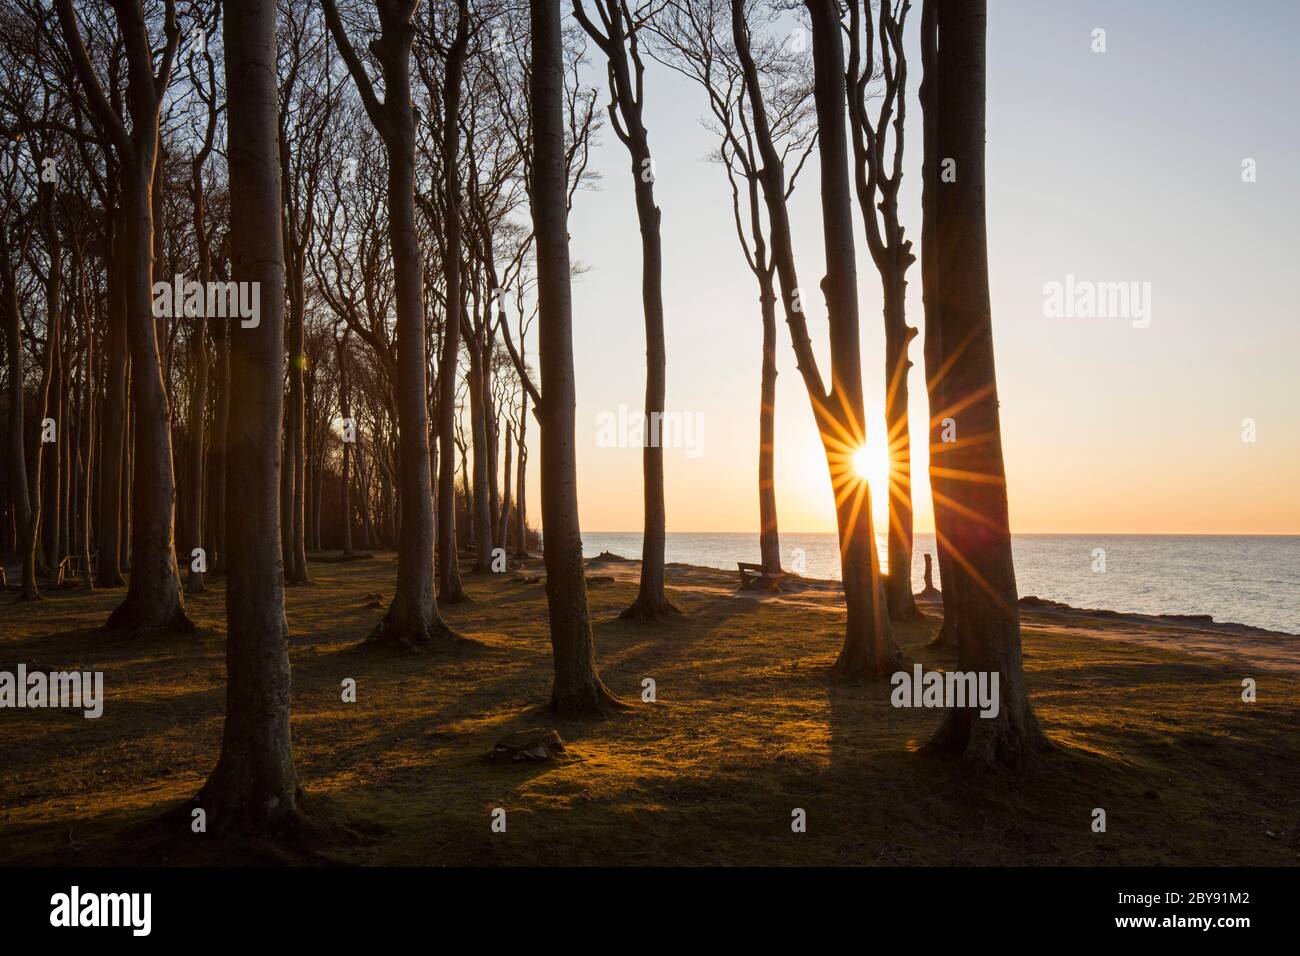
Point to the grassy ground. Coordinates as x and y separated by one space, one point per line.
747 727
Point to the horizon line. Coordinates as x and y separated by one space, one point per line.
1154 534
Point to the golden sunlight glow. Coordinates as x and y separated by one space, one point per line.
871 462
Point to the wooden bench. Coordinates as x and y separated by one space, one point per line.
756 576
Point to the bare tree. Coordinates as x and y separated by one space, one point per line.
971 518
869 648
695 40
878 172
153 596
413 616
345 407
450 588
205 88
617 36
16 225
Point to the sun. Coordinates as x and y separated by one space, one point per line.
871 462
862 463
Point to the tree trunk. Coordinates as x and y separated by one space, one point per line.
651 602
199 399
483 540
413 616
18 487
898 335
577 688
769 542
368 539
254 787
296 565
877 187
128 469
450 588
869 648
153 597
88 427
521 520
286 490
217 459
933 347
980 581
109 529
503 520
52 493
345 484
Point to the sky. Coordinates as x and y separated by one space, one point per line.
1122 166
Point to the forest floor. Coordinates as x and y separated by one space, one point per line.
1147 715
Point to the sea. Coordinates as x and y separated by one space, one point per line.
1242 579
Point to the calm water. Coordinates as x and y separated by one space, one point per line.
1246 579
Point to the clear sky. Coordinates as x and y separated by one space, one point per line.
1122 166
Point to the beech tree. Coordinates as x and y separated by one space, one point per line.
577 688
971 517
617 36
204 83
16 223
413 616
153 598
450 588
694 40
869 648
307 100
254 786
878 173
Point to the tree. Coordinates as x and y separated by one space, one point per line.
869 648
449 584
345 407
206 91
14 237
254 786
307 114
153 598
577 688
692 36
972 523
877 176
932 352
413 616
617 37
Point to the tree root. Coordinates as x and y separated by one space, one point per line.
593 699
127 616
647 609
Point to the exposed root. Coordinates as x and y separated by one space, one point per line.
859 663
988 742
128 616
433 637
649 609
592 699
454 595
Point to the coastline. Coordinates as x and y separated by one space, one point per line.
1197 634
